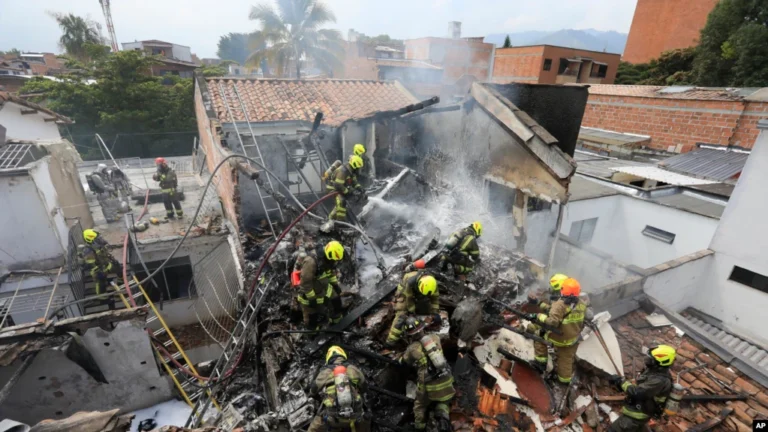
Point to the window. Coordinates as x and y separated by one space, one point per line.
582 230
547 64
563 66
749 278
659 234
535 205
598 71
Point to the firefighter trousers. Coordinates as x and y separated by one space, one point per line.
171 202
421 407
339 212
563 363
322 423
320 314
628 424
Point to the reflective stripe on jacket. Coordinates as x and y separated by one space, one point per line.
408 298
647 398
317 279
568 319
440 388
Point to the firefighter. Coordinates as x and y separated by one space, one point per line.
646 398
434 383
416 294
555 285
567 314
344 181
97 260
168 184
341 386
319 289
461 250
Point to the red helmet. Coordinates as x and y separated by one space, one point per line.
159 161
571 287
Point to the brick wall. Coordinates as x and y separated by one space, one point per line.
226 179
662 25
677 125
522 64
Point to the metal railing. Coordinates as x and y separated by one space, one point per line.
73 264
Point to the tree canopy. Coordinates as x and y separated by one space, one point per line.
292 34
733 50
507 42
77 34
235 47
117 98
382 39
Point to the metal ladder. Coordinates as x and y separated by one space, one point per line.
183 382
259 158
231 353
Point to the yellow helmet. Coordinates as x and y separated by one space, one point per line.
556 281
334 251
356 162
427 285
478 227
664 355
333 352
358 149
90 235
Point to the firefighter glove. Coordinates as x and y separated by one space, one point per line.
616 381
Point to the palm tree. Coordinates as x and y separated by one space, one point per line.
292 33
78 32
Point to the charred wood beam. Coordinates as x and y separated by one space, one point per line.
433 111
714 398
408 109
712 423
391 394
370 354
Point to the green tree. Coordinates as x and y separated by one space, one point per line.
382 39
213 70
733 50
117 98
77 34
235 47
13 52
507 42
671 68
292 33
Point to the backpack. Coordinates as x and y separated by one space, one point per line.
92 184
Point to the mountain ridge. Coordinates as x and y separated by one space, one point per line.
587 39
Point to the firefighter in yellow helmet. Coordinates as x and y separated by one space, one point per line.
344 181
545 301
461 250
416 294
319 289
648 396
340 385
97 260
567 314
434 380
358 150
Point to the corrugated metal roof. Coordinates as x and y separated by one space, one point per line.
655 173
599 166
721 189
707 163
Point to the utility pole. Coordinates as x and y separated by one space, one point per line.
110 27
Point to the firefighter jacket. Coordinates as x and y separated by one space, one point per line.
568 318
437 384
409 299
318 278
96 254
343 180
463 247
325 387
167 178
647 398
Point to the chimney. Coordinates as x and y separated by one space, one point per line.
454 29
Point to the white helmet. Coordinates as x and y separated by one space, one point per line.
101 167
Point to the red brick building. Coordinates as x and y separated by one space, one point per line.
663 25
547 64
678 118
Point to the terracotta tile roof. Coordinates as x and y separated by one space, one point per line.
286 100
634 331
7 97
663 92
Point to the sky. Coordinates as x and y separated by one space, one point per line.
199 23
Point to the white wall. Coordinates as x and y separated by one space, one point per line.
182 53
28 236
621 220
742 240
678 287
29 126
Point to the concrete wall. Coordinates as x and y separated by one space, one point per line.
29 239
621 220
592 268
677 283
740 240
55 387
675 125
48 191
663 25
32 127
62 169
